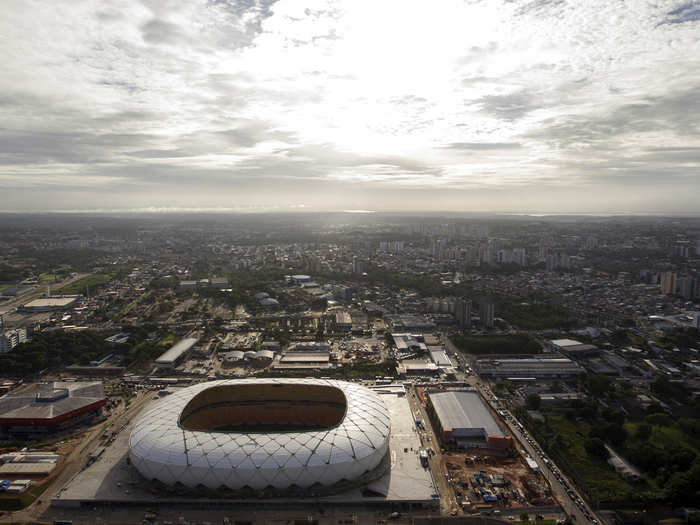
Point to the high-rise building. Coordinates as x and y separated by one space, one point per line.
557 261
683 249
438 249
12 338
486 313
463 312
669 282
687 286
391 246
504 256
519 256
356 265
591 243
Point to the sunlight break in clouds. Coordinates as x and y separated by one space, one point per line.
452 105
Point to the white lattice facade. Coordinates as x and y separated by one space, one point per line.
162 448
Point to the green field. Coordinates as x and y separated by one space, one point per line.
79 286
5 286
599 476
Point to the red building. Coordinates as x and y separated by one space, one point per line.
43 408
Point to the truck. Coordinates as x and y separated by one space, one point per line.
423 454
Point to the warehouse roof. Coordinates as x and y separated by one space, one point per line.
463 409
440 357
50 400
302 357
52 302
563 343
175 351
23 469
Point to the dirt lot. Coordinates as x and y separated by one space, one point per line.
476 478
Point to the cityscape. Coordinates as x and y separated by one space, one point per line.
351 368
350 262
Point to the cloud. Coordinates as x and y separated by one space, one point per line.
471 146
157 31
390 103
687 12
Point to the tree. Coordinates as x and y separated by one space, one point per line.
660 419
533 401
596 447
643 431
598 386
616 434
613 416
612 432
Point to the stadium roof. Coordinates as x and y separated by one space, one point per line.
463 409
159 447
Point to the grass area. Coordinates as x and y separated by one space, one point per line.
532 315
33 493
168 340
49 277
671 437
94 280
599 476
78 287
5 286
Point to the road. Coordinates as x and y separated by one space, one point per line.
38 292
448 501
564 489
562 486
77 459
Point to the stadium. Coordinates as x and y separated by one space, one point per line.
262 433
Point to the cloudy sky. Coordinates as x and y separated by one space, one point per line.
538 106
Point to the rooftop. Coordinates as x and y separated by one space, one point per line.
563 343
51 302
50 400
174 353
463 409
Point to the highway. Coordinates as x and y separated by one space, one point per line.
565 490
39 291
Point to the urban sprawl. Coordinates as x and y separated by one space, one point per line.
349 368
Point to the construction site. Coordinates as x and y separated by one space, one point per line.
484 482
480 462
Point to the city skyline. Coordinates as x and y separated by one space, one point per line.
521 107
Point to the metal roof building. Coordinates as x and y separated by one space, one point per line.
175 353
463 418
50 303
45 407
440 357
538 368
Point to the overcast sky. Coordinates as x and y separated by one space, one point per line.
539 106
